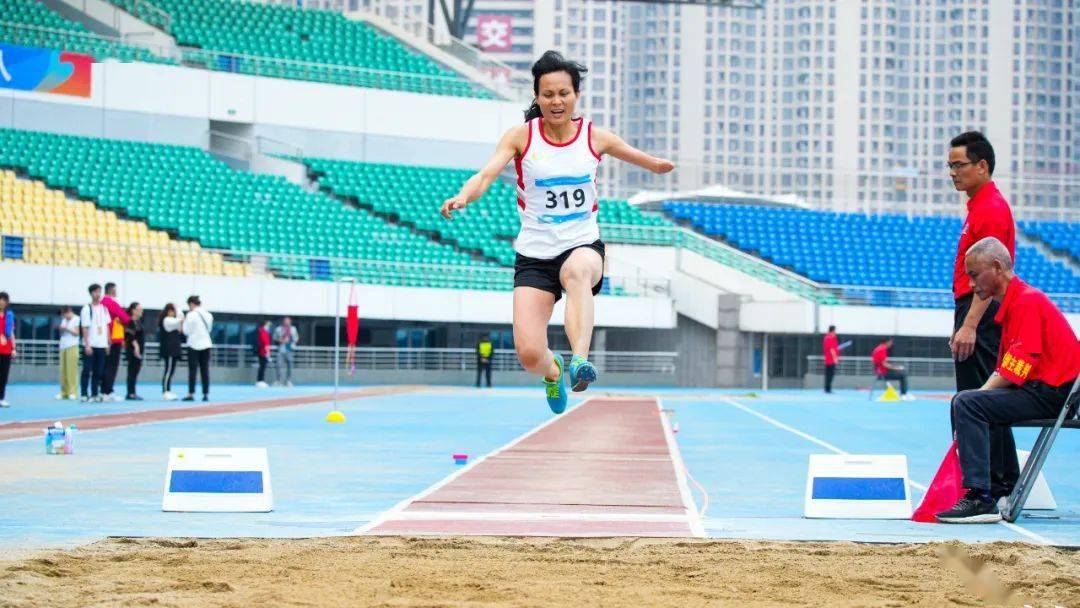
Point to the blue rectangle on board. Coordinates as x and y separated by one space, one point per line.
858 488
217 482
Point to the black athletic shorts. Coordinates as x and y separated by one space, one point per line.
544 274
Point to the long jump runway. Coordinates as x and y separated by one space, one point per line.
608 467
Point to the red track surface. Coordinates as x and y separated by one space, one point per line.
32 428
602 469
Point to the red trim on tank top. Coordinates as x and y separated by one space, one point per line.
581 122
591 149
517 166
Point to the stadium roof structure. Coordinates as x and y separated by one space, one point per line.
719 194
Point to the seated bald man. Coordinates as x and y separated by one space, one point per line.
1037 363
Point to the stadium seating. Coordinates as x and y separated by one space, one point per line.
188 192
1061 237
287 42
62 232
859 252
413 195
62 34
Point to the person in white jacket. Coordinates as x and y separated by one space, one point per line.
198 323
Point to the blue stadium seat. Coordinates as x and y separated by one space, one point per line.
857 250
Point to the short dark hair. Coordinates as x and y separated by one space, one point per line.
93 287
978 148
832 328
194 300
65 309
109 286
4 296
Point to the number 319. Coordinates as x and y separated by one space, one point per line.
553 198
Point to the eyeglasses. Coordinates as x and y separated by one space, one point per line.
955 166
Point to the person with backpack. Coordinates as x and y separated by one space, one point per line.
261 345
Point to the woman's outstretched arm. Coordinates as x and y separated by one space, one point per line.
511 144
606 142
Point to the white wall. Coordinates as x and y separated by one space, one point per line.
51 285
353 115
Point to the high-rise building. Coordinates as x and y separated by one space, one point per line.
852 104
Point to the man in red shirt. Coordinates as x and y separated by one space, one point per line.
975 336
263 347
119 320
1039 360
888 371
831 347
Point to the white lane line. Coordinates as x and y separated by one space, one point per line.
526 516
828 446
397 509
697 528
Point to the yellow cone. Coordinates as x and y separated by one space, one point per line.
335 417
890 394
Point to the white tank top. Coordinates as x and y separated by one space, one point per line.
556 192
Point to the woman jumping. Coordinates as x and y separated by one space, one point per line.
558 247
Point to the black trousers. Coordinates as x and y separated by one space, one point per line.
262 369
483 368
973 372
5 371
981 420
93 372
134 366
830 373
198 360
112 368
893 374
167 375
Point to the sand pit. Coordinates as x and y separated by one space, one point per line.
492 572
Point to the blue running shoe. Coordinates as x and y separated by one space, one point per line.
582 373
556 389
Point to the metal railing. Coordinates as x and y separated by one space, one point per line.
863 366
237 356
913 297
55 251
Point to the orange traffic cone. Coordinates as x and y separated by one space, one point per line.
946 488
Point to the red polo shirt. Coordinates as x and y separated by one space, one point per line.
830 345
880 354
1037 342
988 215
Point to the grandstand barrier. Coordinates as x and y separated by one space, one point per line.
52 251
39 361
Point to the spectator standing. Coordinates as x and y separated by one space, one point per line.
135 348
171 345
198 323
7 344
118 320
94 321
262 351
484 350
286 337
69 354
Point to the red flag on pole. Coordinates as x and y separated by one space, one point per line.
352 328
946 488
